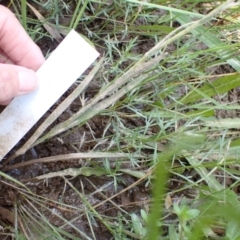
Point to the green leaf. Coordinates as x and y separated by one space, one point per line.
203 172
192 213
144 215
172 232
188 139
201 112
137 225
235 143
176 209
184 213
232 232
219 86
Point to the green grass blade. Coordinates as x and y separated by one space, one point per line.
170 9
13 180
212 42
219 86
79 16
205 174
74 15
24 13
85 171
226 123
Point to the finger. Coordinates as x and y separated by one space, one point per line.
15 81
4 103
15 42
4 58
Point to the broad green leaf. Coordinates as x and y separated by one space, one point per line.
177 209
219 86
144 215
191 214
137 225
172 232
232 232
185 213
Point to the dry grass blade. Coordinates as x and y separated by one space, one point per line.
50 28
69 156
73 172
84 171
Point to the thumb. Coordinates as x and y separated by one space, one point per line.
14 81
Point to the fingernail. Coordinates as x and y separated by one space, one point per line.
27 81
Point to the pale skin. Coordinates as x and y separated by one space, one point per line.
20 57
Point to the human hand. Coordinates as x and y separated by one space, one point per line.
19 58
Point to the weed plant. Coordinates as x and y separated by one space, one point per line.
166 98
